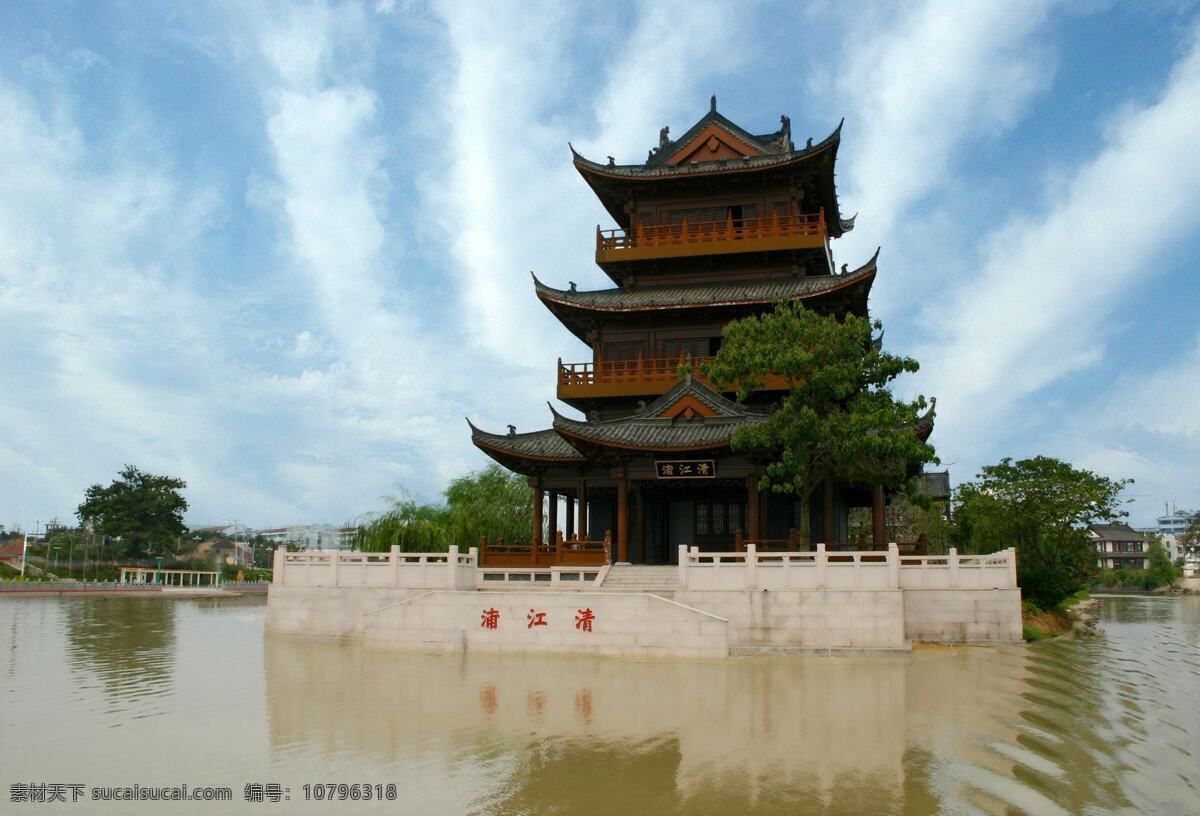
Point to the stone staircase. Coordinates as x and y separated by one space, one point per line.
640 578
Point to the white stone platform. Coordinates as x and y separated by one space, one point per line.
605 623
709 604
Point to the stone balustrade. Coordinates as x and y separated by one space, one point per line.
822 569
394 569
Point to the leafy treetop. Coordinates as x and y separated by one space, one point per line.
1042 507
839 418
143 510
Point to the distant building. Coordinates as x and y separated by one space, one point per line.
1171 526
1119 545
310 536
225 551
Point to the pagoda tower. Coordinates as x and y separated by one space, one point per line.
714 226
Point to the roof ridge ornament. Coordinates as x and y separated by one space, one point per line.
712 104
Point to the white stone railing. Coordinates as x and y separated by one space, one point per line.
844 570
395 569
557 578
996 570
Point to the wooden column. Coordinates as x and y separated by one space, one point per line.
623 520
553 496
640 524
752 506
879 530
581 530
538 497
827 515
569 522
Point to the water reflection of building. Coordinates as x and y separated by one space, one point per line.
705 733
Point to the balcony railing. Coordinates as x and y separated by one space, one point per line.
633 378
795 231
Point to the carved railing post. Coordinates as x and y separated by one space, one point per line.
608 546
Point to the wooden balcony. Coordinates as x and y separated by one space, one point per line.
772 232
562 552
643 377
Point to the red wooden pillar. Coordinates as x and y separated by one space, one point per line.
879 530
581 530
827 515
623 520
640 523
538 496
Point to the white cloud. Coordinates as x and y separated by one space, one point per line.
1049 282
106 337
1147 429
946 72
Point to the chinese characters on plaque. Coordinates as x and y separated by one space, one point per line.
686 469
490 619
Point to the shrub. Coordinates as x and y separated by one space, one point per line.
1046 585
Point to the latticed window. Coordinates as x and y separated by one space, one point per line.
686 347
718 519
701 518
628 350
735 518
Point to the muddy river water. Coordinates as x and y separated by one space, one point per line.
113 693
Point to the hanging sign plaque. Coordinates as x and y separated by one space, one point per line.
686 469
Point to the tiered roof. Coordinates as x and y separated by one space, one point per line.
691 417
576 309
677 160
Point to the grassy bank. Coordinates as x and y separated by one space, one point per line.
1040 624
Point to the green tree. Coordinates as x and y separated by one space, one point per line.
1189 540
1041 506
1160 572
839 418
144 511
492 502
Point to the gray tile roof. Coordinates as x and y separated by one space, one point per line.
1116 532
657 167
694 388
545 445
705 295
646 430
935 485
700 433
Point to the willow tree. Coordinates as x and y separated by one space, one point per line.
839 419
491 501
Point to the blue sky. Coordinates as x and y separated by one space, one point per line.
281 251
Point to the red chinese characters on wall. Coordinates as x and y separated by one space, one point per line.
490 619
583 620
536 618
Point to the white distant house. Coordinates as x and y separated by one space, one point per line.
1119 545
1171 526
310 536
